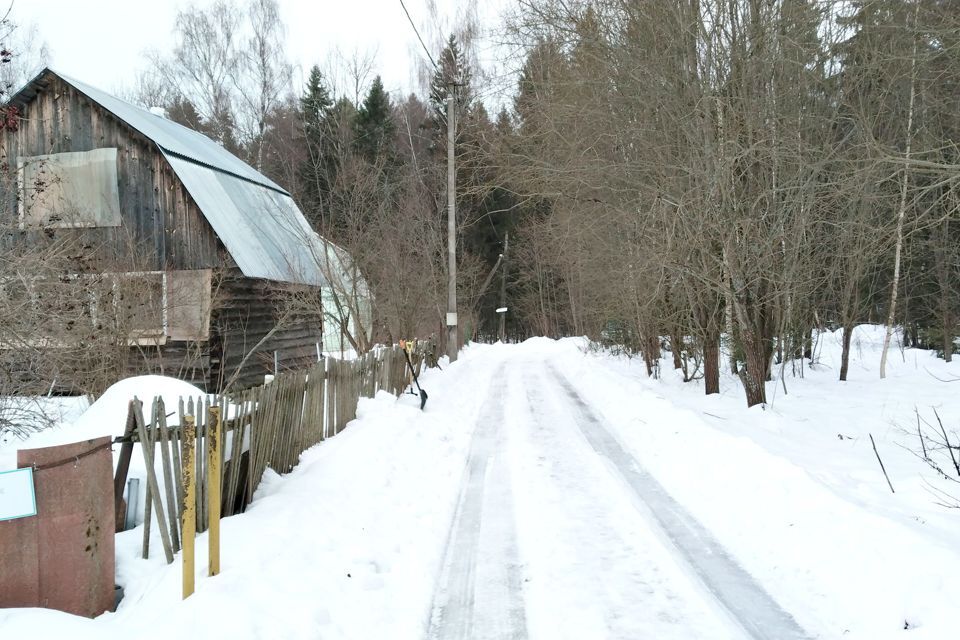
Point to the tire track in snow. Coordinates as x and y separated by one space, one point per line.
753 608
479 591
596 568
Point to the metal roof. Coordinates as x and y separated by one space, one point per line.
172 137
264 231
257 220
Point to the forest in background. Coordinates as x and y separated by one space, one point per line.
683 176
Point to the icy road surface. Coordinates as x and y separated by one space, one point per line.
606 552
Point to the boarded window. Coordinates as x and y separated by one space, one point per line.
144 307
188 305
77 189
139 298
63 309
47 311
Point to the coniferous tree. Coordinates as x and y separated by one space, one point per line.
453 68
374 127
182 111
318 171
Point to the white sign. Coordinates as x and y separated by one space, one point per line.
451 319
17 498
502 310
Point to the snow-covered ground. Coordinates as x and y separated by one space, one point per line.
549 491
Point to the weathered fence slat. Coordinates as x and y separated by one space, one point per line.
214 433
236 456
175 446
266 426
146 444
168 486
147 512
123 468
189 517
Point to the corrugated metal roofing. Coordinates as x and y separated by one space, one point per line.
257 221
173 137
263 230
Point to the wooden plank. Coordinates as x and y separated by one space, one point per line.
296 441
147 511
175 451
123 469
203 507
189 518
256 419
331 397
231 467
147 446
170 489
214 480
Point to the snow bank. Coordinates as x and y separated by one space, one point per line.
108 417
105 417
344 546
349 543
794 490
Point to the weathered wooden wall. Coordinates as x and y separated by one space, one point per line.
246 311
182 360
161 226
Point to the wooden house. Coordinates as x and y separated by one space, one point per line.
210 239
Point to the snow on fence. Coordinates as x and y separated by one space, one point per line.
266 426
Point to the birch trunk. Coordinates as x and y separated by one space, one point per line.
901 213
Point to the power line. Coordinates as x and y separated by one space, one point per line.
425 50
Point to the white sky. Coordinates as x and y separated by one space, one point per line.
101 42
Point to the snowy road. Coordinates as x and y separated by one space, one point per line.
480 594
559 533
550 492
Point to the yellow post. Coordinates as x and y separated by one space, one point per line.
188 523
213 488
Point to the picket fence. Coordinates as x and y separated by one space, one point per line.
266 426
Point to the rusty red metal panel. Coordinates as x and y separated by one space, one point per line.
72 533
19 563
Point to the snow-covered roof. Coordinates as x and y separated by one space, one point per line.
257 220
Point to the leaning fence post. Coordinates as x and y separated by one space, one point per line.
213 488
147 445
188 523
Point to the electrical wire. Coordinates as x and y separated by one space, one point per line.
425 49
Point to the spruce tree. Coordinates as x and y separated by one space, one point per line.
319 169
453 68
374 126
315 103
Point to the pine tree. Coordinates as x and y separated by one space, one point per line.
374 126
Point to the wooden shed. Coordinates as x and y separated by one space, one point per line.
210 239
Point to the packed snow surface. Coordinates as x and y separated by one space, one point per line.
552 491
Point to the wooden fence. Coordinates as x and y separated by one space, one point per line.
266 426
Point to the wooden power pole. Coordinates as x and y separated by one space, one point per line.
452 346
503 288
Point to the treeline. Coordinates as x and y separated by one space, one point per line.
688 175
743 171
367 169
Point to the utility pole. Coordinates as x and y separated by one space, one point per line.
503 288
452 346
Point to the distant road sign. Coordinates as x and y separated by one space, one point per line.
502 310
17 497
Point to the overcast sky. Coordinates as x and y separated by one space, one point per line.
101 42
